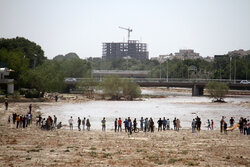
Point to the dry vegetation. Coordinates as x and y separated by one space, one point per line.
34 147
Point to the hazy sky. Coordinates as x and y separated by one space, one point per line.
61 26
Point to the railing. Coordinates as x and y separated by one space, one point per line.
164 80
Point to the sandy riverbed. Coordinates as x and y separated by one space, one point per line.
34 147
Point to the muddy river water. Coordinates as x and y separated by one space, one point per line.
179 105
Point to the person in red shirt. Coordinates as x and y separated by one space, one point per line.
119 125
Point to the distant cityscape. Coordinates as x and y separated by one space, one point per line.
135 49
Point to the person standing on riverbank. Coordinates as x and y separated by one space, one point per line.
71 123
198 123
231 122
130 126
146 123
178 124
134 124
14 118
208 125
225 128
164 123
79 123
103 124
174 123
88 125
17 121
222 121
83 123
168 124
115 124
241 125
245 126
126 124
159 124
151 125
29 118
24 121
55 121
141 123
212 123
30 108
6 103
193 125
119 125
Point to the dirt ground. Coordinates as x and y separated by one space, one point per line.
35 147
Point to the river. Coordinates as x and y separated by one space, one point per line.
179 105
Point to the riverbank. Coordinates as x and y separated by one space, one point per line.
34 147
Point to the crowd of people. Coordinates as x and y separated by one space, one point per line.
146 125
83 122
49 123
21 121
25 120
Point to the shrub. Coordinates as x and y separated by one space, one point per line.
130 89
32 93
22 91
111 87
16 95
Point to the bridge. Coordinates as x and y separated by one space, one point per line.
197 85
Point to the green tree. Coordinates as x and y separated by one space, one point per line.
15 61
217 90
29 50
111 87
115 88
47 77
130 89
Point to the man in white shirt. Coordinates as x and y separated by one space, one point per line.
71 123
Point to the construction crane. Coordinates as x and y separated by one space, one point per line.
129 30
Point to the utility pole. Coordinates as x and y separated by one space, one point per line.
160 70
167 69
235 70
230 68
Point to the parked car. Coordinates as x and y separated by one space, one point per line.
244 82
70 80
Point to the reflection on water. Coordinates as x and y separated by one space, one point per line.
183 107
166 92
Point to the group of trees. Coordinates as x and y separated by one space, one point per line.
33 70
232 67
20 55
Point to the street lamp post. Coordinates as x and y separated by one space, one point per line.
167 70
230 68
235 70
160 70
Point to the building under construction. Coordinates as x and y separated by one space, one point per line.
130 49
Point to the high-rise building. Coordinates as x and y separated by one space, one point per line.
132 49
